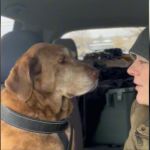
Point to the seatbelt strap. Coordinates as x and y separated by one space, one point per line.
67 143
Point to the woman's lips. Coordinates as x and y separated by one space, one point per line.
137 84
138 87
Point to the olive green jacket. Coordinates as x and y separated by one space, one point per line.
138 138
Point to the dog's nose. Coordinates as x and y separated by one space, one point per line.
95 74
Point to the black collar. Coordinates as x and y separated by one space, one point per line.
38 126
33 125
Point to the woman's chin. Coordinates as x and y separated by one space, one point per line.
142 100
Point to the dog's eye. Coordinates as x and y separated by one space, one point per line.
62 59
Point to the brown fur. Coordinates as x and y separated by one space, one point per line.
41 85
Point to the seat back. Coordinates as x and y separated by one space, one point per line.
114 123
13 45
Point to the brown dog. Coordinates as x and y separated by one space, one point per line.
40 86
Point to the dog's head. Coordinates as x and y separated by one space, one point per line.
50 68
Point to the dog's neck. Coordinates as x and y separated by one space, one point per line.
49 107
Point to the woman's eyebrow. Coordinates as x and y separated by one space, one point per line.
143 59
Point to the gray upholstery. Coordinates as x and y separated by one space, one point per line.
13 45
69 43
114 123
62 16
76 122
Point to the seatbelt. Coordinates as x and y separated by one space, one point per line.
38 126
64 139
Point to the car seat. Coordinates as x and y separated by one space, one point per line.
115 92
13 45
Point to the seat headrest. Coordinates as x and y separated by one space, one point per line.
69 43
13 45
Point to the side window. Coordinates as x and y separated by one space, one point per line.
7 25
96 40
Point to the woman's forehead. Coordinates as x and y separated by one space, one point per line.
141 58
138 57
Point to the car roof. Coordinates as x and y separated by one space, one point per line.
69 15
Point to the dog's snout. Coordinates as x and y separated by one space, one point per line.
94 74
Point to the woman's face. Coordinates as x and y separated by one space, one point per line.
140 71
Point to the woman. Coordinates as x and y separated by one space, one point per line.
139 133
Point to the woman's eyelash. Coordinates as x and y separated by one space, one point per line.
143 62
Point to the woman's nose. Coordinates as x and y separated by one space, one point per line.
133 70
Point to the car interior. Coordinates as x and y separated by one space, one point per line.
101 118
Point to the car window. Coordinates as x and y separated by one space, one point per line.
96 40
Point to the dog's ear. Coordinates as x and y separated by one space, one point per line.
70 52
20 79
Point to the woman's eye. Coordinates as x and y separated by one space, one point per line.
142 62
